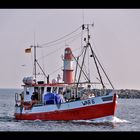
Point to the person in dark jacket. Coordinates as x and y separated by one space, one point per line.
34 97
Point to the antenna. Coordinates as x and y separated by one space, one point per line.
33 46
34 38
83 15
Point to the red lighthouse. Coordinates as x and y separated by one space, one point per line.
68 66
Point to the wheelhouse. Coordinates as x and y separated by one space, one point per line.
42 89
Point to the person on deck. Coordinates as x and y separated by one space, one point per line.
61 95
34 98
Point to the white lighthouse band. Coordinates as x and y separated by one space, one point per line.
68 64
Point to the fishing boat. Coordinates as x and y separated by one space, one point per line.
70 98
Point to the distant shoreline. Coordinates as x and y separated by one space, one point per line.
128 93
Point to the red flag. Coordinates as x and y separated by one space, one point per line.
28 50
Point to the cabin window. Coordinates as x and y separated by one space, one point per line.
68 90
60 89
35 89
54 90
48 89
42 90
27 91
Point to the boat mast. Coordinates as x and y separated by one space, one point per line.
34 46
87 44
36 62
93 55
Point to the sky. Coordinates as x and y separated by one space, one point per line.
115 35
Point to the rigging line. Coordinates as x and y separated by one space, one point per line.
50 53
41 69
80 66
56 51
73 39
76 69
93 55
43 66
85 69
81 71
77 35
99 57
81 39
56 70
32 62
61 66
63 47
82 51
101 67
35 62
61 37
88 65
76 49
81 35
84 66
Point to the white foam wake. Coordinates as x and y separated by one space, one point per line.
108 119
112 119
118 120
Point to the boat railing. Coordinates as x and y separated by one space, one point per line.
17 99
96 92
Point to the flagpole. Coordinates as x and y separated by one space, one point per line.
35 61
34 73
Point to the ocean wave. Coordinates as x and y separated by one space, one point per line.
103 120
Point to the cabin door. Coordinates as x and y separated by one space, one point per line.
40 90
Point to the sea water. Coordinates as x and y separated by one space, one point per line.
127 118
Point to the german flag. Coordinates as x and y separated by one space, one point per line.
28 50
